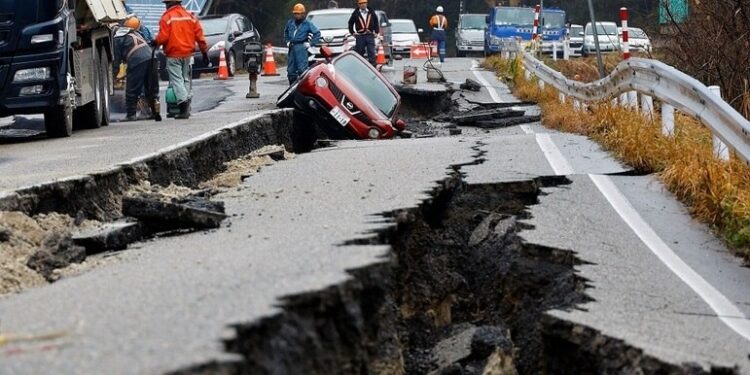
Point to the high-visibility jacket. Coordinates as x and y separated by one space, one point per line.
439 22
179 30
362 25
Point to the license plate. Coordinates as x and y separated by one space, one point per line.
340 116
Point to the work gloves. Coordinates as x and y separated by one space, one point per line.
205 58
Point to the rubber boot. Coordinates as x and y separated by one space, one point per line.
184 111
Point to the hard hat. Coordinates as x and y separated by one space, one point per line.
439 9
298 9
132 22
362 2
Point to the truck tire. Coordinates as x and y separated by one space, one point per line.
105 71
58 121
89 116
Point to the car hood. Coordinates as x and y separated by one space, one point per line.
471 34
330 33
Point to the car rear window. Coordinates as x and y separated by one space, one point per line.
403 27
367 82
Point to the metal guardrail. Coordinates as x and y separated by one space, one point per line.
662 82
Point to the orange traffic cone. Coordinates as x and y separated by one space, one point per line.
380 57
223 71
269 66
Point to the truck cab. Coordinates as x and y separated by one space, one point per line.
55 59
552 29
507 25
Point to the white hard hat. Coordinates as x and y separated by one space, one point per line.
439 9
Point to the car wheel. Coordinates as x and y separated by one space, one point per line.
232 64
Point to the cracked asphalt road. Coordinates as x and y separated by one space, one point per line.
165 305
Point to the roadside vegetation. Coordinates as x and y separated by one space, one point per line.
715 191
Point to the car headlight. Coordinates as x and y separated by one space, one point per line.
495 40
321 82
33 74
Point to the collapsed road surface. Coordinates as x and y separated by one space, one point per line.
510 250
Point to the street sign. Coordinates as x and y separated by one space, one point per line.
150 11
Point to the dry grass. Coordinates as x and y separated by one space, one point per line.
715 191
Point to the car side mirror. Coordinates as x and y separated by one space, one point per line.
326 52
384 24
237 33
580 33
420 30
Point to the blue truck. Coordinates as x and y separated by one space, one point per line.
56 59
506 24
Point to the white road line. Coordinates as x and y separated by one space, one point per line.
491 89
526 129
725 310
555 158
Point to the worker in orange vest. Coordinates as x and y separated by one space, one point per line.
439 24
179 31
364 25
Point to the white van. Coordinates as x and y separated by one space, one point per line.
609 41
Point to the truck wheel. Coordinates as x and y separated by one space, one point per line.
89 116
459 53
104 68
58 121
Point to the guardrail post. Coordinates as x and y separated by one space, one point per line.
624 99
527 75
566 50
647 104
667 119
554 51
541 84
633 99
720 149
562 97
577 104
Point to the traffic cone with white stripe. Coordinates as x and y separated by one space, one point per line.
223 72
380 57
269 65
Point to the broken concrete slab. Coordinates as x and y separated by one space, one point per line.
470 349
57 251
454 131
275 153
161 216
109 236
454 348
506 122
471 85
484 229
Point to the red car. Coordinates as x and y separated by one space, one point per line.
347 97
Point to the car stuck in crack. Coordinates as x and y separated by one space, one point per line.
347 98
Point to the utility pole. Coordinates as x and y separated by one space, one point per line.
596 41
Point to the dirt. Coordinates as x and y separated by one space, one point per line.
239 169
25 237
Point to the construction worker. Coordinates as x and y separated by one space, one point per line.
179 30
333 4
299 35
439 24
364 25
132 49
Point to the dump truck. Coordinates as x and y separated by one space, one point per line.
56 59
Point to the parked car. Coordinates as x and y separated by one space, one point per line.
607 35
347 97
232 31
470 34
405 35
575 37
334 30
637 39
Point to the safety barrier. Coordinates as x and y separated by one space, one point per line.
655 80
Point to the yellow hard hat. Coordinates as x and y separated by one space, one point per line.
298 9
132 22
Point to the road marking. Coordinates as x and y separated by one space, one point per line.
555 158
491 89
725 310
526 129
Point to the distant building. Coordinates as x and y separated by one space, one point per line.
673 9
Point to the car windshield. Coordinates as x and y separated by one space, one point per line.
354 71
473 22
514 17
403 27
553 20
330 21
636 33
214 26
602 29
576 31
